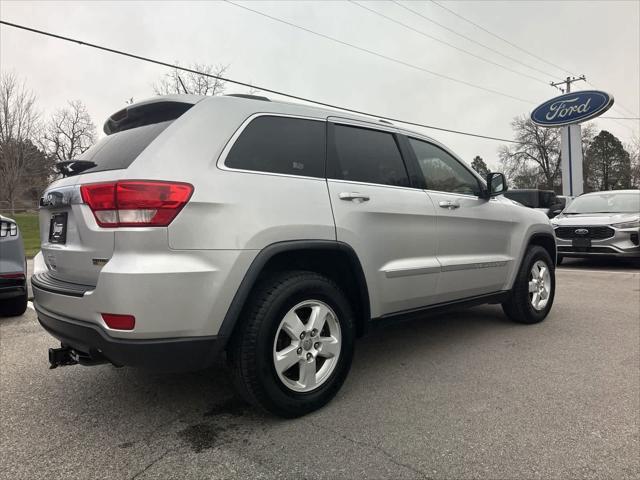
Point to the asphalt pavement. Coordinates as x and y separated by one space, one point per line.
463 395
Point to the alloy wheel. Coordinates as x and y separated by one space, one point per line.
307 346
539 285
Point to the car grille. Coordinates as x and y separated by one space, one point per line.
594 233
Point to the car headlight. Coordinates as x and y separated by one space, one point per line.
632 224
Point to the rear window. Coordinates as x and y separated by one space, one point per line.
547 199
292 146
364 155
119 150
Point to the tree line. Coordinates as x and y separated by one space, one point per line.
32 145
535 162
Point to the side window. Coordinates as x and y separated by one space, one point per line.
364 155
442 172
294 146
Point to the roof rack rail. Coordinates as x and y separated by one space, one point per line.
250 97
382 120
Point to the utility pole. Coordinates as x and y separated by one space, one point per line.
567 82
571 147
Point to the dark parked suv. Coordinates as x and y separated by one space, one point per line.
543 200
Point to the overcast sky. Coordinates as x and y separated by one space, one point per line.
599 39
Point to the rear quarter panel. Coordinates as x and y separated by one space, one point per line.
232 209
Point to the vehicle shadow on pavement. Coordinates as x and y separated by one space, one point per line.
611 264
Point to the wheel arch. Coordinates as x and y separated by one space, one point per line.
337 260
546 241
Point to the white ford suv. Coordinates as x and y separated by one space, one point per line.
276 232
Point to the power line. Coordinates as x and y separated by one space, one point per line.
628 111
245 84
377 54
426 35
621 107
508 57
500 38
622 118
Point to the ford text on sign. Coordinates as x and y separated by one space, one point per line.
571 108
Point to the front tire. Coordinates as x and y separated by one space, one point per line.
533 291
294 345
559 260
13 307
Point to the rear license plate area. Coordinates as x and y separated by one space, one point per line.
581 243
58 228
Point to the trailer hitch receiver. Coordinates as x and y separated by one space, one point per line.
63 356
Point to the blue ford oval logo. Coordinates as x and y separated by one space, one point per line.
573 107
581 231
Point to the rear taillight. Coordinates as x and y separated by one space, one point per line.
136 203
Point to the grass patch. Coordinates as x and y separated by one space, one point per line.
30 231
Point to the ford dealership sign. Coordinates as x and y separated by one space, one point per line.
571 108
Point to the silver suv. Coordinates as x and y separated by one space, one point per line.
600 224
276 232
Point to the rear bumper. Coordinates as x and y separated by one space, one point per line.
165 354
176 294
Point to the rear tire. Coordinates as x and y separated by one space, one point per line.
275 325
13 307
533 291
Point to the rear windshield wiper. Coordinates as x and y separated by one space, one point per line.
74 167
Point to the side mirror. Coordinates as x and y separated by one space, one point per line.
496 184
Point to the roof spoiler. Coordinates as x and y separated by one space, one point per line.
145 114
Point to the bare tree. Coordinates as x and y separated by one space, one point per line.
539 148
70 132
634 151
177 81
536 161
19 126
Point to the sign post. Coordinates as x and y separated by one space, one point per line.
571 160
568 111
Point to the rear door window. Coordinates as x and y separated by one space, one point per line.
293 146
366 155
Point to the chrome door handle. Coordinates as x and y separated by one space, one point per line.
353 196
450 205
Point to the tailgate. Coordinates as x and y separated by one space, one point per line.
74 248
